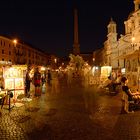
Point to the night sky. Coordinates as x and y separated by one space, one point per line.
48 24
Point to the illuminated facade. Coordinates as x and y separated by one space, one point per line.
111 45
20 53
124 52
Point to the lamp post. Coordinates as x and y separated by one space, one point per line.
55 61
93 61
15 54
18 52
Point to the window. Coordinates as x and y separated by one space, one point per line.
24 52
9 52
124 62
2 51
118 63
113 29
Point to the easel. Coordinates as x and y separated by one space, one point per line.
8 93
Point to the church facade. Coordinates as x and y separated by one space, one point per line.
124 51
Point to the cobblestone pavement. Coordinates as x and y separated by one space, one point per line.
74 113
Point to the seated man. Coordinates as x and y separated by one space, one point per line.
131 96
111 85
107 82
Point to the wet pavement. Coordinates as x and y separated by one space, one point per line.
70 113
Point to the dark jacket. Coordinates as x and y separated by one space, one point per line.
128 92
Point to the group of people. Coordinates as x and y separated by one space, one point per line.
122 82
38 80
112 83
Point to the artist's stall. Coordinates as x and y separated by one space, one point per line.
95 75
132 73
105 73
14 77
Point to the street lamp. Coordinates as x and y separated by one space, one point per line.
133 39
15 41
18 52
93 60
55 60
135 44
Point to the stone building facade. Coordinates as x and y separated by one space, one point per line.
20 53
124 51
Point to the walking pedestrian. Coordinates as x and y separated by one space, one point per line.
37 82
27 84
49 77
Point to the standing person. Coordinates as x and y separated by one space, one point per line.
119 77
49 77
118 82
37 82
113 75
132 96
27 84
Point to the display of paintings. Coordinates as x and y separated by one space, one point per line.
14 78
13 72
106 71
9 83
19 84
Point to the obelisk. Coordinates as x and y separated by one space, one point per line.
136 3
76 46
